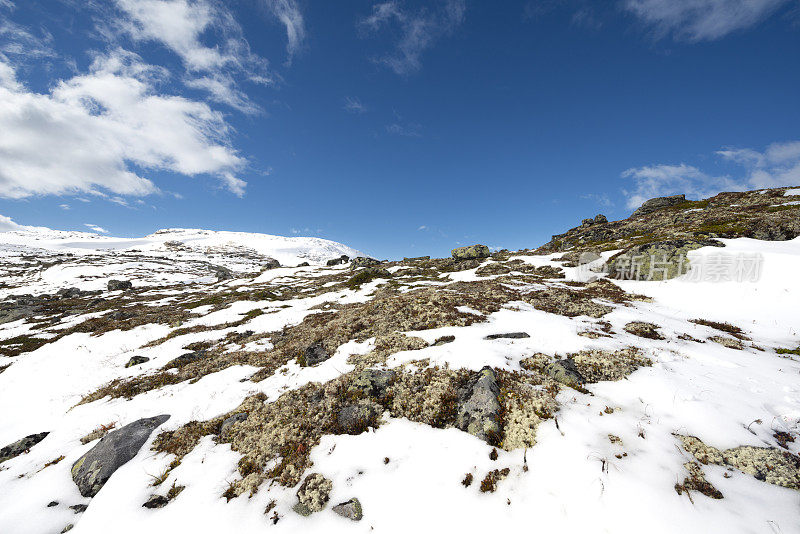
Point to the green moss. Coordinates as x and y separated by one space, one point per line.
773 209
21 344
796 351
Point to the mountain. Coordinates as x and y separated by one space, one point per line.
628 375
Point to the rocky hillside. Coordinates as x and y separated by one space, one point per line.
182 384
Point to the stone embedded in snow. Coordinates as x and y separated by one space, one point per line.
313 495
350 509
479 407
94 468
137 360
472 252
119 285
156 501
271 263
185 359
20 447
510 335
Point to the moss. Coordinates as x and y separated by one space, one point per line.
795 352
21 344
489 483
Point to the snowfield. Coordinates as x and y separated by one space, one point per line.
608 462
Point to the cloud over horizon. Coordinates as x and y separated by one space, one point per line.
777 166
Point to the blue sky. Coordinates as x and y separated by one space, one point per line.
399 128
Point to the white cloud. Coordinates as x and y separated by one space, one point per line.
288 13
422 228
18 41
95 228
404 130
65 207
6 224
101 127
700 20
181 26
777 166
354 105
418 31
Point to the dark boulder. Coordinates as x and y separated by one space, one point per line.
338 261
479 407
119 285
20 447
357 418
186 359
565 372
117 448
136 360
510 335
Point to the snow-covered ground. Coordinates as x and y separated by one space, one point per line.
575 479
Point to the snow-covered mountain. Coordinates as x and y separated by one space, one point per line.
630 376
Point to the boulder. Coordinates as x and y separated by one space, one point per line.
565 372
338 261
587 222
510 335
137 360
156 501
472 252
304 264
313 355
20 447
357 418
655 204
271 263
444 340
70 293
350 509
656 261
363 261
119 285
313 495
479 407
600 219
117 448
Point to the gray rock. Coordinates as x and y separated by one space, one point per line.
373 382
472 252
444 340
357 418
510 335
20 447
137 360
565 372
119 285
587 222
338 261
363 261
79 508
156 501
655 204
314 354
117 448
479 407
70 293
304 264
350 509
222 273
51 504
643 329
271 263
228 423
313 495
659 260
600 219
418 258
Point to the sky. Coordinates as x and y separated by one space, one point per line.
400 128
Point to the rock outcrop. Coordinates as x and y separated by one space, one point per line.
117 448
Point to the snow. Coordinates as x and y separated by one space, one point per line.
574 480
791 192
